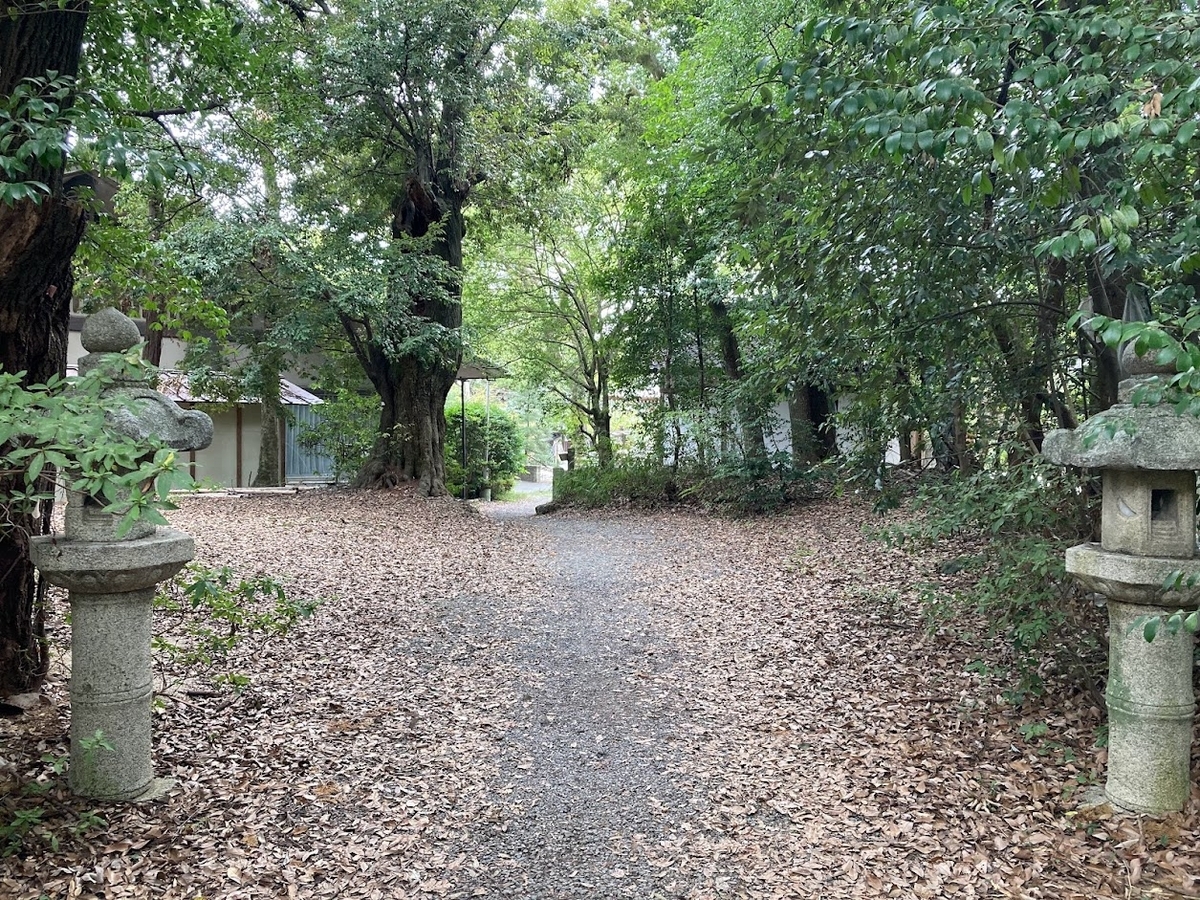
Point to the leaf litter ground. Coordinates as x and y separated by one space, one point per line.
609 705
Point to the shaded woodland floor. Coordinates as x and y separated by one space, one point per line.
611 705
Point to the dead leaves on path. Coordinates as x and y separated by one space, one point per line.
363 741
844 752
832 748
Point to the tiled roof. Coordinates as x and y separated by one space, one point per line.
178 386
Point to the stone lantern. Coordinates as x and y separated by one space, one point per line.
1148 458
110 583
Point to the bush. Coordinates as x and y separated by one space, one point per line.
1017 519
346 432
627 481
65 425
741 487
761 484
205 614
500 436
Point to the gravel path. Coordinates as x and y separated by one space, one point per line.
587 706
585 766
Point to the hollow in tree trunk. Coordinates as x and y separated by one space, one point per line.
413 387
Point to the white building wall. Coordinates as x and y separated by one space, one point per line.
777 431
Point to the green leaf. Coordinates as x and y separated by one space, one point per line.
1112 333
35 468
1150 628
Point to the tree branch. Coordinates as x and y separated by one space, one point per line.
157 114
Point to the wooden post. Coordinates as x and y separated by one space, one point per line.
237 478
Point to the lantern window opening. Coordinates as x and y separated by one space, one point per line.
1164 507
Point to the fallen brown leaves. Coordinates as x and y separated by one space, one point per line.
845 752
826 746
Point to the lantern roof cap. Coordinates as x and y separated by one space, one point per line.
1148 436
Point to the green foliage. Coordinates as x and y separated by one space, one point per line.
1172 623
94 745
761 483
1170 341
1031 731
123 264
346 432
63 425
627 481
737 486
34 123
16 826
549 307
35 810
504 443
204 615
1019 519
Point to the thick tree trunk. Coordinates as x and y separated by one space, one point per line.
410 444
731 358
269 473
36 246
804 431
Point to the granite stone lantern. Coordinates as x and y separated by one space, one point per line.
1148 458
110 583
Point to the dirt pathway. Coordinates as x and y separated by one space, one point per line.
585 770
617 705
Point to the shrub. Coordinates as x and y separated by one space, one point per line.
1021 516
346 431
205 614
747 486
738 487
496 432
65 426
626 481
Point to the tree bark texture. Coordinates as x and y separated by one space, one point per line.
269 472
410 444
37 242
803 426
731 359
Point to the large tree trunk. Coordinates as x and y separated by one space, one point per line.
269 473
731 359
804 429
36 246
410 444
